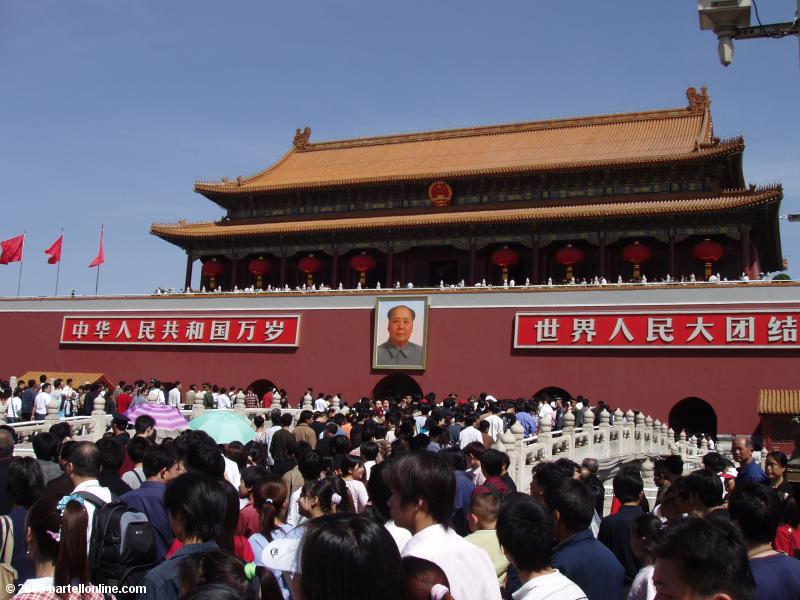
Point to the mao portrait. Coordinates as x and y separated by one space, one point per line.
400 333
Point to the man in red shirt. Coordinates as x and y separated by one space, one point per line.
266 401
124 399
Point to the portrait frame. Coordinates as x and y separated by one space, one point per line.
381 346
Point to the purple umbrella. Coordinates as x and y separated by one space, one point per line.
166 417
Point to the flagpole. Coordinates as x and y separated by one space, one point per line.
21 260
97 278
58 268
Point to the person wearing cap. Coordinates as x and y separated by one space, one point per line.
119 427
422 491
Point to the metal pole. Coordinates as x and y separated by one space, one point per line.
21 260
58 268
97 280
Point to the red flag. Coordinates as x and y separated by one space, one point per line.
101 255
12 249
54 251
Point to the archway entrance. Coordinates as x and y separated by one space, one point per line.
261 387
551 393
695 416
396 385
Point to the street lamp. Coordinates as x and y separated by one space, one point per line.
790 218
730 20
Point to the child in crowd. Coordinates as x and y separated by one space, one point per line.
483 512
249 519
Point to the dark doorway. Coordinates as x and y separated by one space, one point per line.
396 385
695 416
552 393
261 387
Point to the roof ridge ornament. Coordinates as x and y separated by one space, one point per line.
698 102
301 137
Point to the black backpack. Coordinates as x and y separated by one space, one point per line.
122 548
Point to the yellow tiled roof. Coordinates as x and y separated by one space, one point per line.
779 402
77 378
652 206
608 140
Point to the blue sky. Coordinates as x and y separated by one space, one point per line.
110 111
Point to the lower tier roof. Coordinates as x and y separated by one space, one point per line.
652 206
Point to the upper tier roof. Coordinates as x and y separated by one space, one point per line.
584 142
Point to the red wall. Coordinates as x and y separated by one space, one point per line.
469 351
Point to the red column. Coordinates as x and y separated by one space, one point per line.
745 253
189 264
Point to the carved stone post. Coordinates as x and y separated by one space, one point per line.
656 445
3 410
307 404
546 438
99 418
568 432
629 430
618 433
517 454
52 412
604 434
336 403
647 473
647 441
588 430
639 433
198 409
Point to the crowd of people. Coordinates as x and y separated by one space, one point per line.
403 499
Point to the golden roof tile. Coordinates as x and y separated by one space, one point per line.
779 402
563 144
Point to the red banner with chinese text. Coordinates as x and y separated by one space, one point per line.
654 329
183 330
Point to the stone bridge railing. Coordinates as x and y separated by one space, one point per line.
631 438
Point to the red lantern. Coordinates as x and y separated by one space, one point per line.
505 257
259 267
637 254
709 252
309 265
569 256
212 269
362 263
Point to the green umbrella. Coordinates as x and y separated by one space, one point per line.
224 427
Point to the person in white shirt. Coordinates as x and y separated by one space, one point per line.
320 404
495 422
422 491
13 408
546 412
223 400
43 399
469 434
525 531
175 395
156 395
83 469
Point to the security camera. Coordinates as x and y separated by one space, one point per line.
724 18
